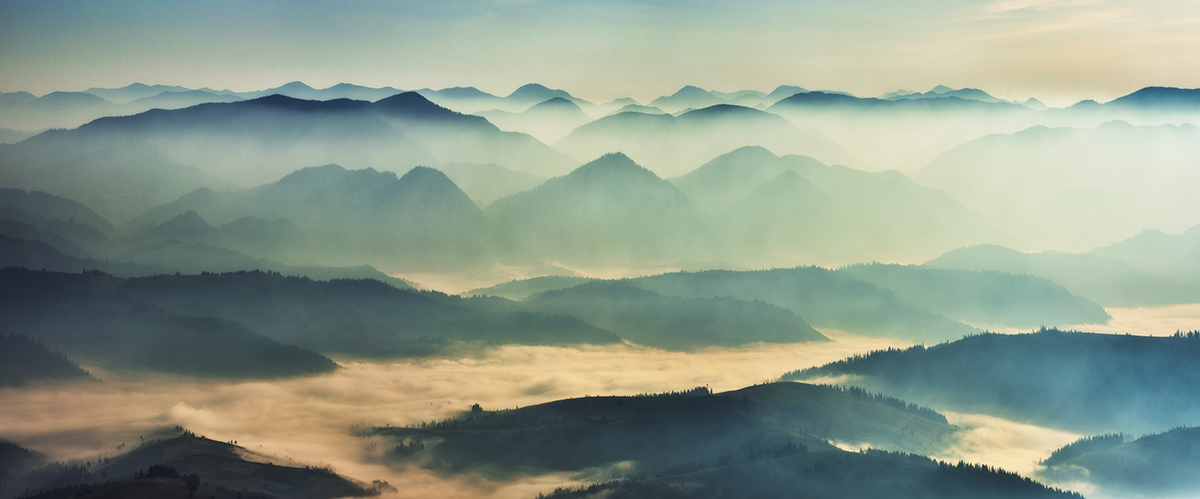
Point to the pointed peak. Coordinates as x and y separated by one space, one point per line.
690 90
613 163
749 153
411 103
295 85
425 175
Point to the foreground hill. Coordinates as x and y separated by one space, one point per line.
673 323
357 317
1078 381
609 211
162 467
660 431
762 441
1159 465
88 317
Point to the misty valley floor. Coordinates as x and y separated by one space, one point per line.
311 420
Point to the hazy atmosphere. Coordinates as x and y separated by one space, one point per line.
599 249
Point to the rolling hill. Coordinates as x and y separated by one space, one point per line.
87 317
674 323
1078 381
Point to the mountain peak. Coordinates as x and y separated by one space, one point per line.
294 85
410 103
940 89
536 92
556 102
691 91
611 165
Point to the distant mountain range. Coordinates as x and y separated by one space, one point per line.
1075 189
670 145
1106 280
794 207
250 142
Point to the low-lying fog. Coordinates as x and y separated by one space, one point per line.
311 420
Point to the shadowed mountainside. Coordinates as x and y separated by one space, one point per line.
1071 380
89 317
1160 464
983 297
755 442
660 431
357 317
674 323
609 211
1102 279
159 467
24 360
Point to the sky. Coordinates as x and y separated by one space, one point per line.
1057 51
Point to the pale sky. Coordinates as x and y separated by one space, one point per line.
1057 51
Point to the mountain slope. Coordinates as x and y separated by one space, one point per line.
1104 280
796 208
1158 252
1158 464
1071 380
609 211
357 317
670 145
656 432
903 135
87 317
824 298
673 323
1076 189
24 360
159 468
983 298
420 220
